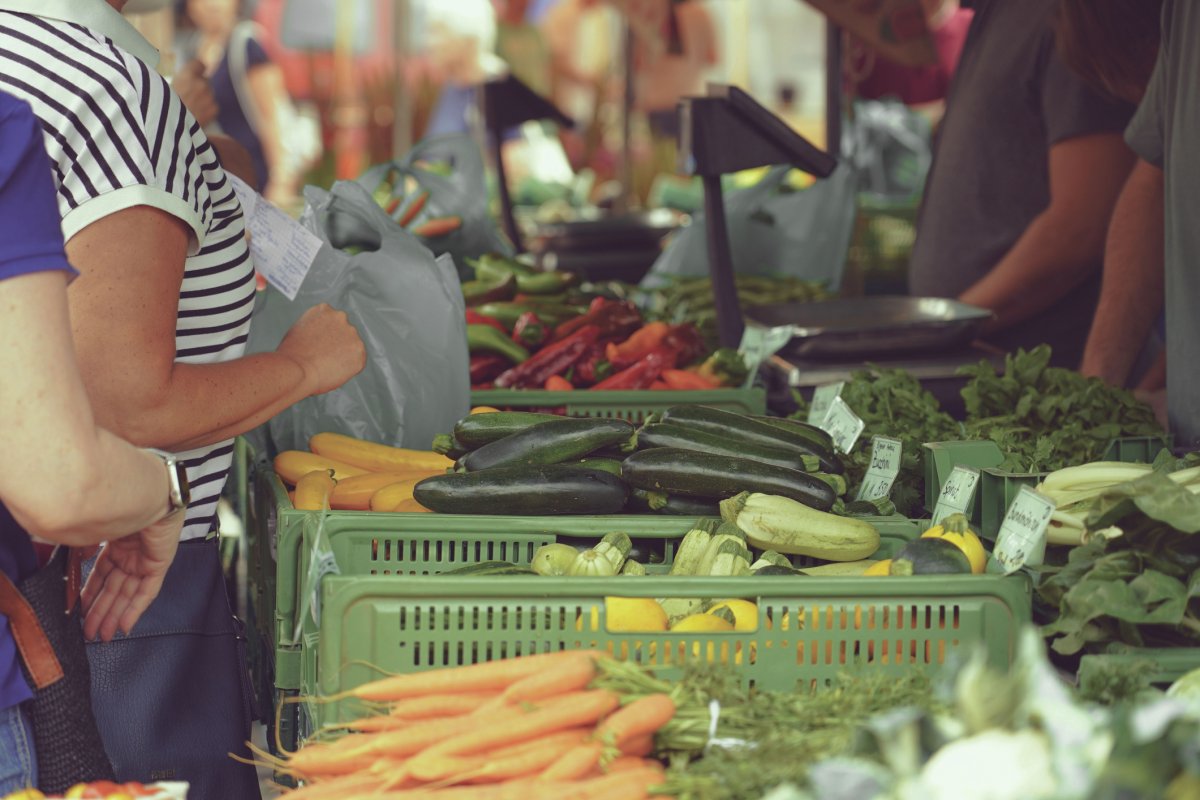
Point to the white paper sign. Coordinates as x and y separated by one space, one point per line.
821 400
1022 537
842 425
282 249
957 493
882 472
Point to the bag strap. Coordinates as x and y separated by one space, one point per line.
237 52
36 651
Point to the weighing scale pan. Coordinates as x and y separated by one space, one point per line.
870 326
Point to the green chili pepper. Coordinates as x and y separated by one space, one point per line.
486 339
478 292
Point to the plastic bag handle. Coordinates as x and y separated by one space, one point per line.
350 198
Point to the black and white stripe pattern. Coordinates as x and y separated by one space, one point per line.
119 137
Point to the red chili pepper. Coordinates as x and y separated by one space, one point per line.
475 318
615 320
529 331
486 366
636 347
553 359
687 342
597 304
640 376
593 367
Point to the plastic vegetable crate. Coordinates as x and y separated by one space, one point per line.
809 629
997 488
631 405
1171 663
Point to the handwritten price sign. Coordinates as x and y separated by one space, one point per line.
842 425
957 493
821 401
884 467
1022 537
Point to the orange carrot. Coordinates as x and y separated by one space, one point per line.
643 716
682 379
638 746
576 763
414 738
413 209
439 705
570 675
557 383
482 677
435 228
627 763
561 713
524 760
327 759
392 206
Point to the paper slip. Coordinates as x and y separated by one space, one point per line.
821 400
842 425
885 466
1022 537
282 249
957 493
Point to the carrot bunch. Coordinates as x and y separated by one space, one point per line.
528 728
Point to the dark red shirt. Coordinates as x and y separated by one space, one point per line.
916 85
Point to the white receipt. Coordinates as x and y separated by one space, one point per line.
282 249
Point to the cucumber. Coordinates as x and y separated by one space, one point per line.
533 491
751 431
685 472
480 429
667 435
803 430
609 465
561 439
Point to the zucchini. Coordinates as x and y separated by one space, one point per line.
751 431
685 472
643 501
477 430
667 435
561 439
690 553
770 557
775 569
535 491
783 525
610 465
803 430
930 557
632 567
615 547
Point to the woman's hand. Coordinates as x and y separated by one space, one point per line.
127 577
327 346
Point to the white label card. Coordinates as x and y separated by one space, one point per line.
957 493
1022 537
821 400
882 472
842 425
281 248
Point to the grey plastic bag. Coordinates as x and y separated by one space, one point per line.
460 192
408 308
773 230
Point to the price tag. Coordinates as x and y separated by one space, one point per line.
885 466
957 493
842 425
1022 537
821 400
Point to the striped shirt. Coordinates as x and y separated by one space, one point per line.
118 137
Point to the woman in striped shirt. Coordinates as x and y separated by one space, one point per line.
162 307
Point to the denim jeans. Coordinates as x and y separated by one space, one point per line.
18 763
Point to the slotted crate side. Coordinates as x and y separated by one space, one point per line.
809 629
631 405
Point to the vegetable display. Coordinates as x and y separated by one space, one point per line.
107 790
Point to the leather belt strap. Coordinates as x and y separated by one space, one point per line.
36 650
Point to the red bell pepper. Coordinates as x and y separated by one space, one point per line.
475 318
530 331
641 375
486 366
553 359
615 321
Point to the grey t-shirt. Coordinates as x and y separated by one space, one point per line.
1166 133
1012 98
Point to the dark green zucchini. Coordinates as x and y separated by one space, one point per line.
533 491
480 429
642 502
752 431
686 472
774 569
818 437
559 440
665 434
609 465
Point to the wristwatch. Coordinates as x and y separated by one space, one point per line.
180 494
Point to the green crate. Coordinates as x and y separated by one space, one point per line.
997 488
809 629
631 405
1172 662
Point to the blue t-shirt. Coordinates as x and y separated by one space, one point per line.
30 241
231 117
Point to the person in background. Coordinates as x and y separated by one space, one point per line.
1154 243
246 88
63 479
1026 169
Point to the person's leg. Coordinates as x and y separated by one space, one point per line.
18 763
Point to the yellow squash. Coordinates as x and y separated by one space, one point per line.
392 495
957 530
292 465
354 494
375 457
313 490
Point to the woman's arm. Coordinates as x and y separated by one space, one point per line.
63 479
266 88
1058 249
123 313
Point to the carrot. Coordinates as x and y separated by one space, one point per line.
638 746
576 763
561 713
378 724
643 716
523 760
313 490
557 383
570 675
682 379
414 738
335 758
481 677
392 206
627 763
439 705
413 209
435 228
